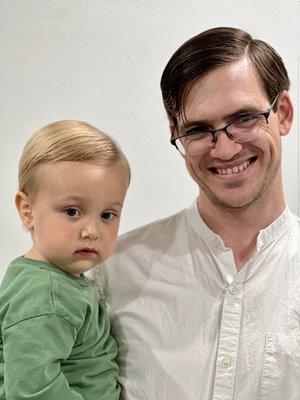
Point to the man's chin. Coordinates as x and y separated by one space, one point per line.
234 201
237 205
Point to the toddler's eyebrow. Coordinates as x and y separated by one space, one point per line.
74 199
116 203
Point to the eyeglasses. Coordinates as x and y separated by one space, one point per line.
198 141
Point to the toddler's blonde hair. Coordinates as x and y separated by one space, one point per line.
67 140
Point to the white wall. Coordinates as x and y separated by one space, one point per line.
100 61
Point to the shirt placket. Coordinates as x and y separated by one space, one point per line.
229 332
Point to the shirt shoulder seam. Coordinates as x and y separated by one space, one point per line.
39 316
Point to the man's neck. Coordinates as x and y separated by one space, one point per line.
239 228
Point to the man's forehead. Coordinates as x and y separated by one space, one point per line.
224 91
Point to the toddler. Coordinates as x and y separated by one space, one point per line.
55 342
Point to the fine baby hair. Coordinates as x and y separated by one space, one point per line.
66 140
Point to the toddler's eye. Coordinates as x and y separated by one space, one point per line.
108 215
72 212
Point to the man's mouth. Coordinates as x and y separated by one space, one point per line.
234 170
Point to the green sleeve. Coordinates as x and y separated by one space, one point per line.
32 351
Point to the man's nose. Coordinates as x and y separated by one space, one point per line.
225 148
90 231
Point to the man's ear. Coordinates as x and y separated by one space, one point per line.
285 113
24 207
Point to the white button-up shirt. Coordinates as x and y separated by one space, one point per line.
189 327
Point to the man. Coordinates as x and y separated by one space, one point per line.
205 304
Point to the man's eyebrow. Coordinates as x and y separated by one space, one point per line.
187 123
241 112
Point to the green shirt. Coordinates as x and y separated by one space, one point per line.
55 342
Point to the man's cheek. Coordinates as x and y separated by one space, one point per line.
192 169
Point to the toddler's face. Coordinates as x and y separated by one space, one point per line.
76 214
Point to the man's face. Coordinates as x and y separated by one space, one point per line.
233 175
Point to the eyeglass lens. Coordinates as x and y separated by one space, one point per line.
243 130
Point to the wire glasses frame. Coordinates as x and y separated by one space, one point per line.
238 131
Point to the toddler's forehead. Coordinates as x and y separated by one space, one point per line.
64 176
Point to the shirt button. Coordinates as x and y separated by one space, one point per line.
232 290
225 363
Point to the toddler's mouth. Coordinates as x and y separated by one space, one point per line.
86 251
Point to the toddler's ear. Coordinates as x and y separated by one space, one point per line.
24 207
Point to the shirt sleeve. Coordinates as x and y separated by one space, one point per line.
32 352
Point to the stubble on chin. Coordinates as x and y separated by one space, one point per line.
239 204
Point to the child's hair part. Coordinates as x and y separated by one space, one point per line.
67 140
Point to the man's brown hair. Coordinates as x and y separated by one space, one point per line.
210 50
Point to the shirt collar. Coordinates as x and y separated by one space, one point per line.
200 227
82 280
265 236
275 229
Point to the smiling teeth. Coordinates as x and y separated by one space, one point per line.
234 170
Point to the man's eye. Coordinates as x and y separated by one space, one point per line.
197 130
108 215
195 134
246 122
72 212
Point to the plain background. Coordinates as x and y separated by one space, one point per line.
101 62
